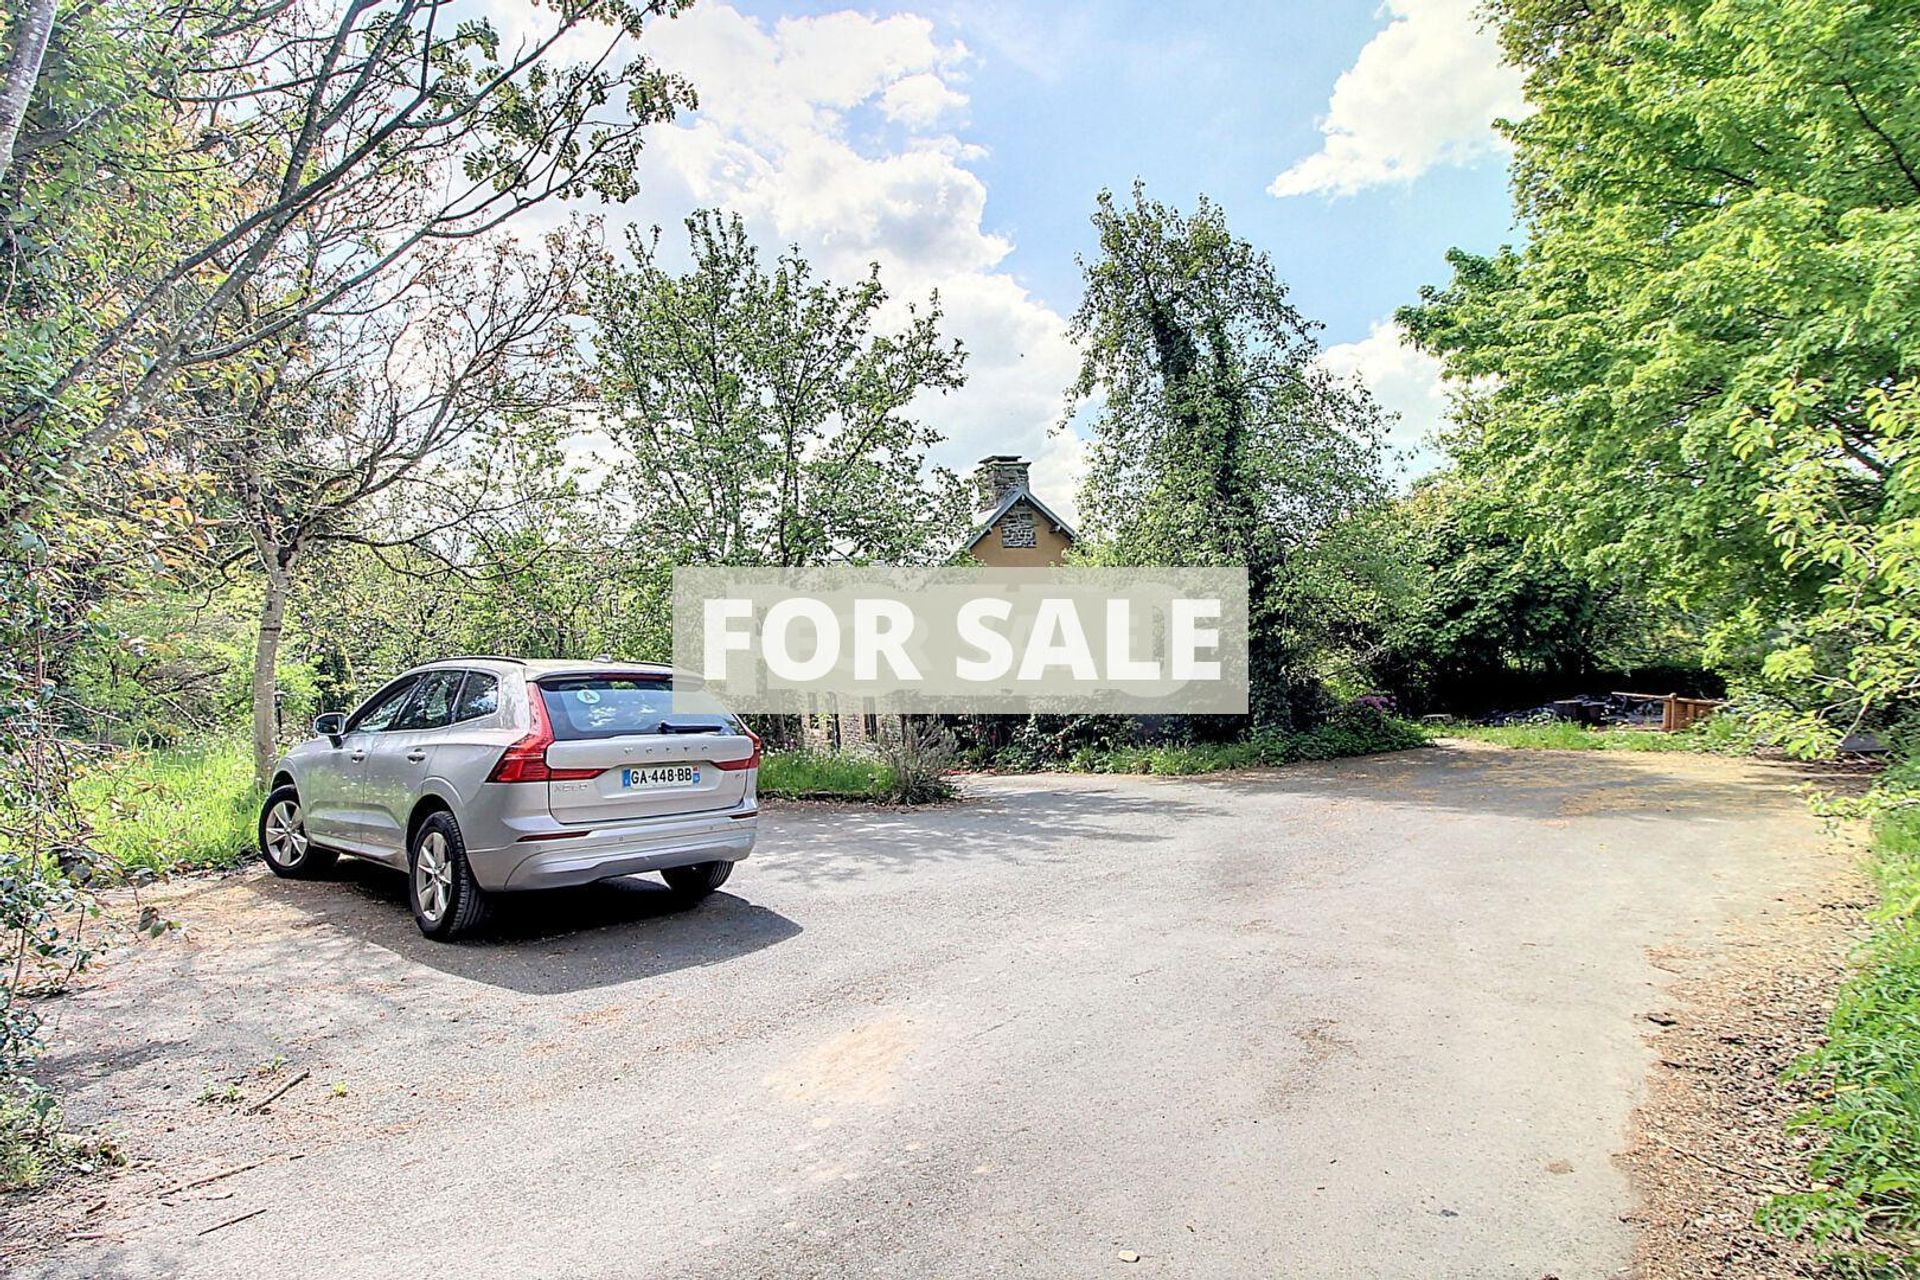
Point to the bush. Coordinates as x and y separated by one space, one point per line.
1362 727
918 754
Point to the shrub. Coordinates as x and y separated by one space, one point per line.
918 753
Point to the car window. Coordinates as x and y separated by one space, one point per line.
380 709
607 706
431 706
480 696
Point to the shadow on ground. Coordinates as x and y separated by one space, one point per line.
547 942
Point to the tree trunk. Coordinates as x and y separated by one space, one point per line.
29 34
266 654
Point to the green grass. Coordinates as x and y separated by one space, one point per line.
1560 735
806 775
1864 1207
178 808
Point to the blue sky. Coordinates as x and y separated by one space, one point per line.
961 144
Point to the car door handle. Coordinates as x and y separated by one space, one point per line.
416 755
357 756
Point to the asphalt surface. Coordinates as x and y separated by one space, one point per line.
1376 1018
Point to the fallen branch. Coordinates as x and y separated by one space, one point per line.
275 1096
212 1177
230 1221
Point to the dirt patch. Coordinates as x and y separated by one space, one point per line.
861 1065
1709 1139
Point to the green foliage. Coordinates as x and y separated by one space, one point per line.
1854 657
766 416
34 1145
1217 438
1864 1207
1718 734
1356 729
808 775
1720 197
1438 599
156 811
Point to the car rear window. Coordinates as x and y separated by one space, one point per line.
608 706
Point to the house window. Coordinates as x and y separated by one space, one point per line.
1016 530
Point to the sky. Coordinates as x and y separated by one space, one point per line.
961 145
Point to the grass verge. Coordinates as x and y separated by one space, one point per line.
1561 735
180 808
807 775
1864 1205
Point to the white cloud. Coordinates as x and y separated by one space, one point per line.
920 101
1405 381
1423 92
837 133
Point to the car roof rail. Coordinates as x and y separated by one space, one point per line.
475 657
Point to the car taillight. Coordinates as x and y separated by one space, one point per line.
526 760
751 762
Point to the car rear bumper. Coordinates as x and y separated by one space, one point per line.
616 849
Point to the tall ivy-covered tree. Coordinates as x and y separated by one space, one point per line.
766 417
1217 439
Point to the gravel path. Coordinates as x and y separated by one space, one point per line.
1375 1018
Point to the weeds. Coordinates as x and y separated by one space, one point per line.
1864 1205
918 755
175 809
33 1145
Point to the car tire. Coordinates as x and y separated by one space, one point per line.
697 881
447 901
283 840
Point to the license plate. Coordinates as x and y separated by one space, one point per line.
660 775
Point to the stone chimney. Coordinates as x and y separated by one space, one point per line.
996 476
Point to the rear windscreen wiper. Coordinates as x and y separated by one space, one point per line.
667 726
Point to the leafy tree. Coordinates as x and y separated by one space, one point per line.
1217 438
402 122
1853 659
1433 599
1722 199
764 416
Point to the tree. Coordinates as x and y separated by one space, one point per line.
1722 201
765 417
270 120
385 426
1218 439
27 38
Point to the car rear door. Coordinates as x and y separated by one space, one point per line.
620 753
400 756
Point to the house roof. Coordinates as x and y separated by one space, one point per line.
1013 496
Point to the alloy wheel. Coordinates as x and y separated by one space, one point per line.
286 834
433 875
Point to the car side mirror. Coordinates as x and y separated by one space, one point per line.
331 725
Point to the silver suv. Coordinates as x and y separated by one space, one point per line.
482 775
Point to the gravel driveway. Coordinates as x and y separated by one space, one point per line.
1376 1018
